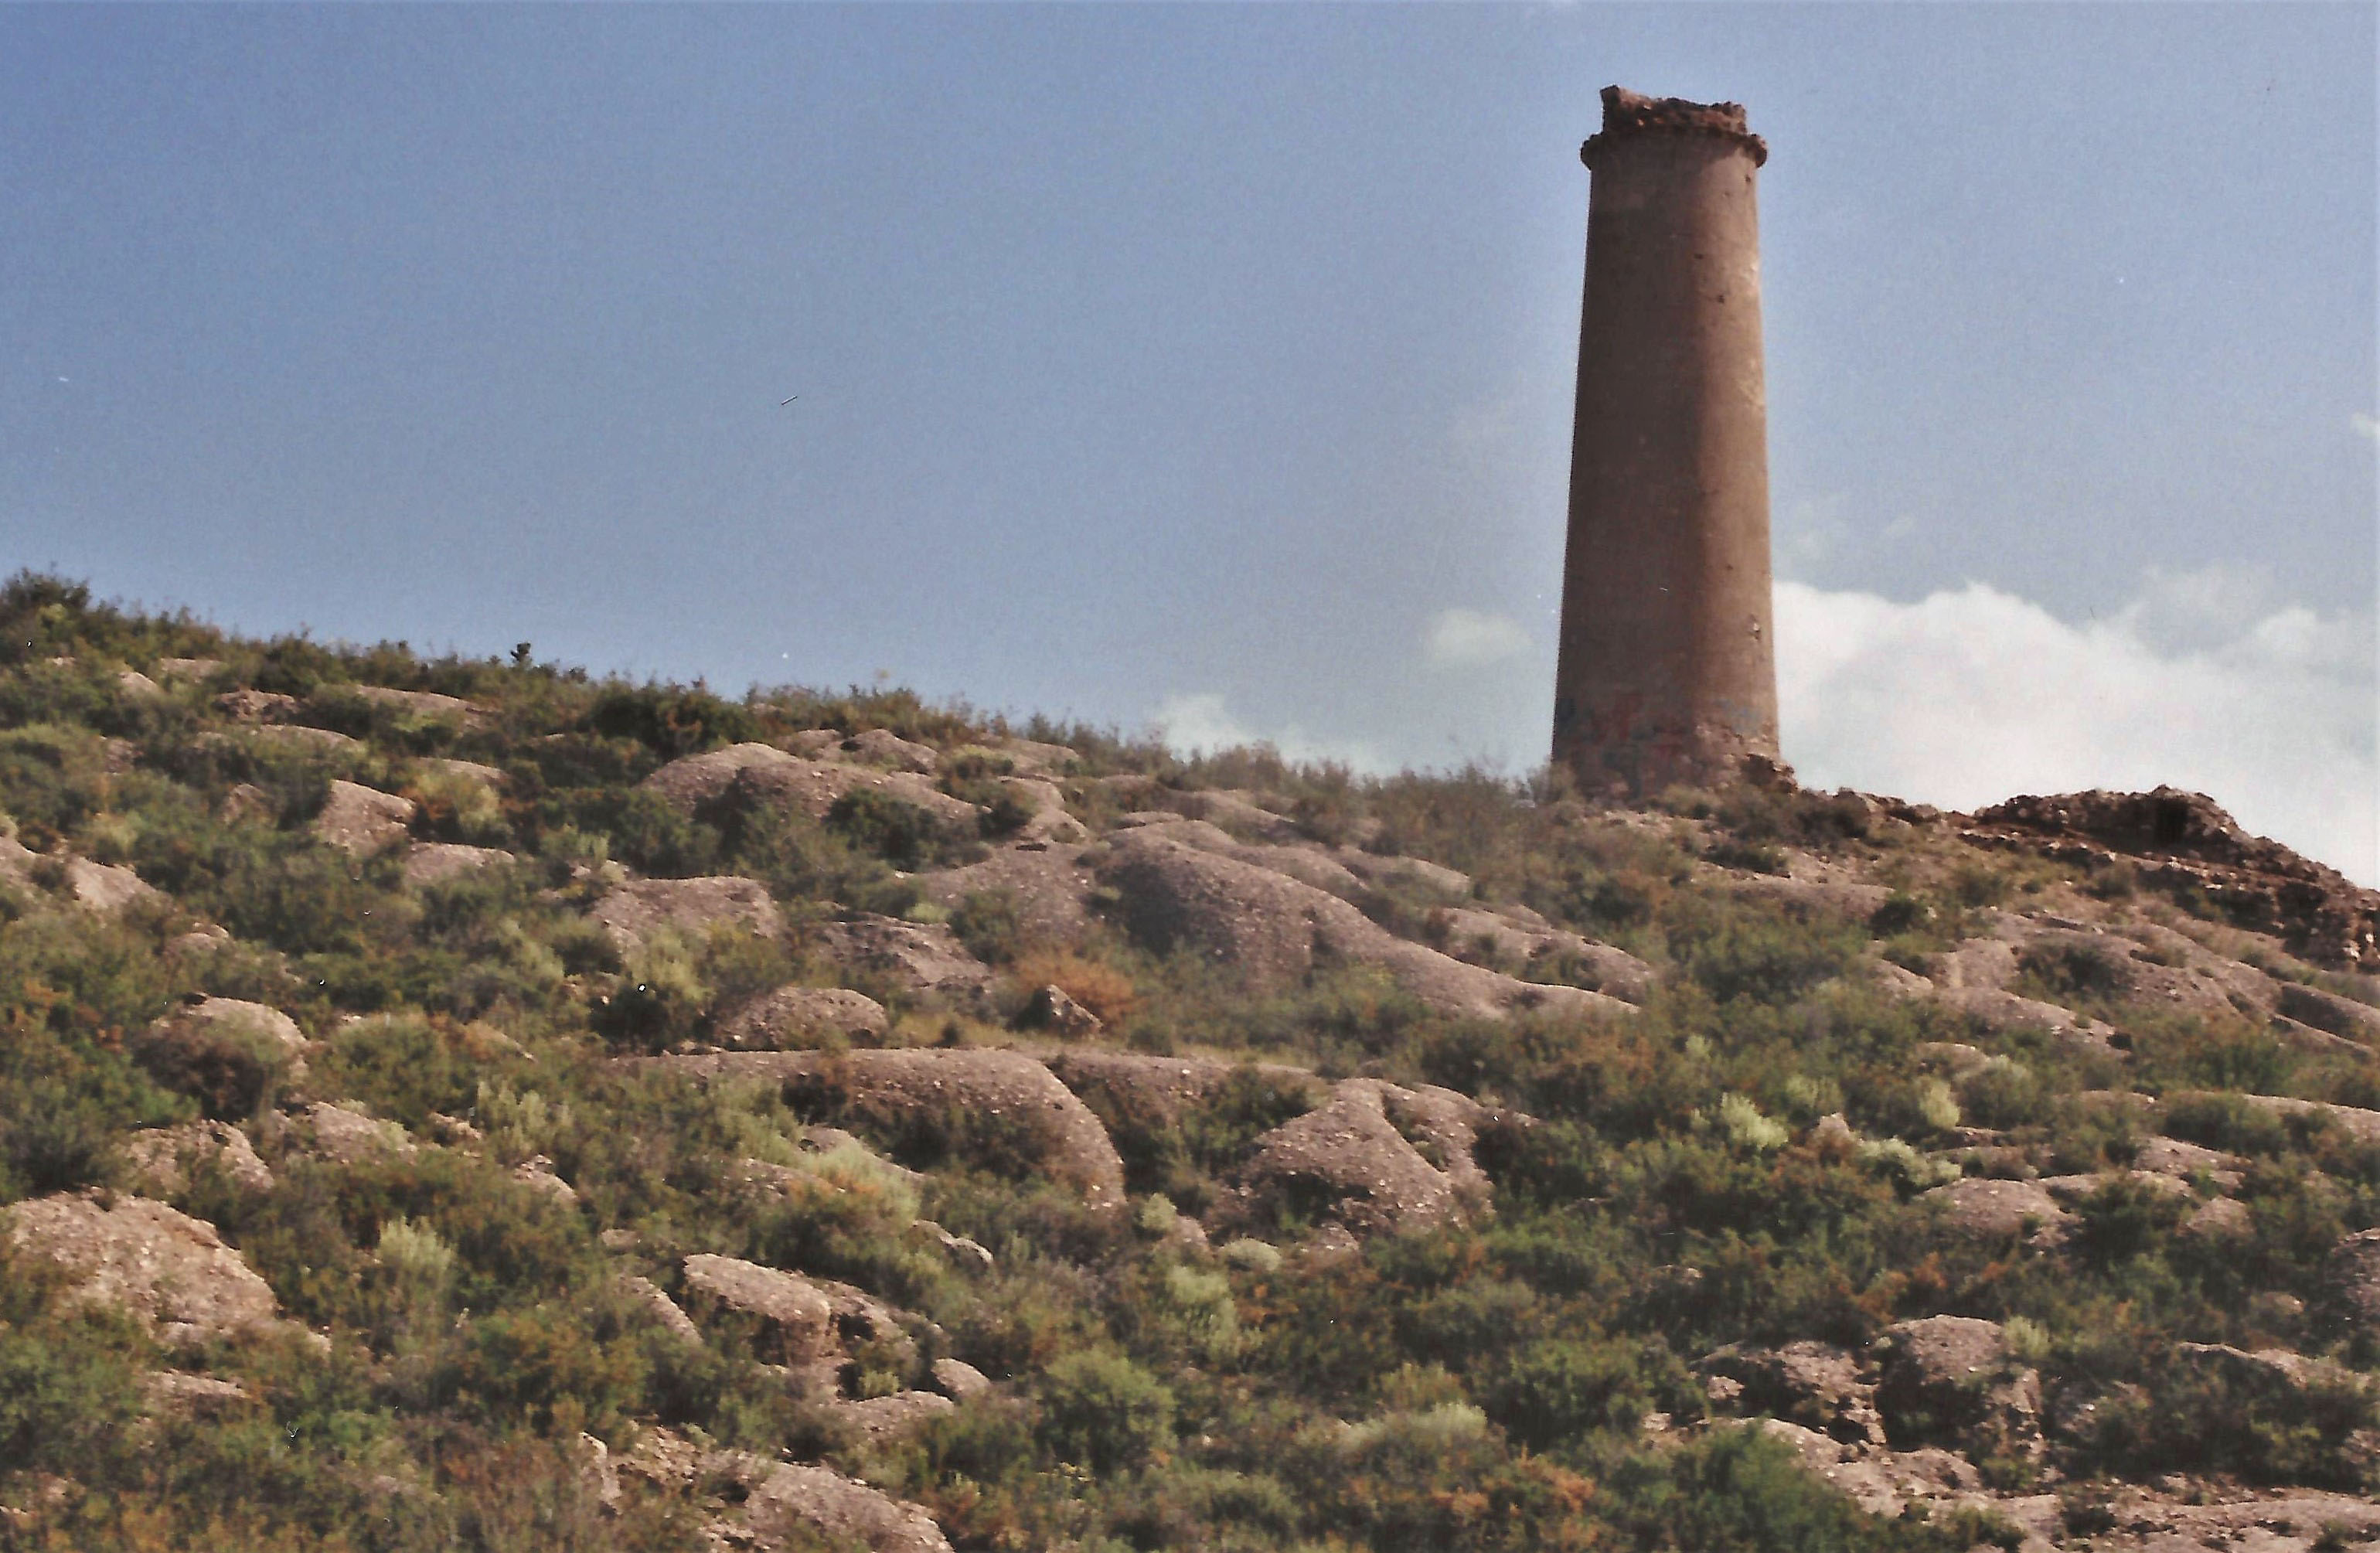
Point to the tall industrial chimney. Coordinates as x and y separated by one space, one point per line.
1666 674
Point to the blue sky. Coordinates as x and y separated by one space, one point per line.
1212 366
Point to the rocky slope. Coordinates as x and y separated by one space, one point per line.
451 1103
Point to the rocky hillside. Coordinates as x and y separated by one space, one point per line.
448 1103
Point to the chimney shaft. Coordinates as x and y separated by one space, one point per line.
1666 673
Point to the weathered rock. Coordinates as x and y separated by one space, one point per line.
1993 1210
1950 1379
802 1018
435 862
641 909
167 1269
2278 1372
132 682
178 1394
1884 1483
664 1310
536 1172
894 1417
966 1254
2079 1188
161 1160
2174 1158
424 704
1351 1157
1046 806
2361 1125
793 1318
1270 929
2350 1281
102 889
362 822
1163 1087
1053 1009
1048 884
187 668
819 1502
2007 1013
225 1053
1238 812
256 705
907 959
1004 1090
2329 1011
346 1135
2179 840
471 770
245 803
1375 869
878 746
292 736
1499 935
958 1380
1814 1384
763 775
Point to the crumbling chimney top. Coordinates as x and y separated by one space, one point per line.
1627 113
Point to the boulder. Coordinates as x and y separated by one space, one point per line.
2357 1122
1049 885
2179 840
763 775
883 1419
1161 1087
2350 1281
1053 1009
813 1504
471 770
1814 1384
915 960
170 1271
642 908
187 668
661 1308
102 889
361 821
1949 1379
178 1394
792 1318
436 862
225 1053
878 746
1005 1092
536 1173
1995 1211
1355 1158
1046 806
138 686
256 705
161 1160
2278 1372
422 704
245 803
802 1018
958 1380
1377 870
1272 929
346 1135
2329 1011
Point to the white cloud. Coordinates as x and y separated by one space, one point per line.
2204 681
2361 424
1202 723
1468 637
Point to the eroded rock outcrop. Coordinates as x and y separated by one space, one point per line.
693 907
168 1270
907 958
362 821
1003 1097
2177 839
801 1018
1359 1158
1272 930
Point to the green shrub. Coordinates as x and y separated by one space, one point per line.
1103 1411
